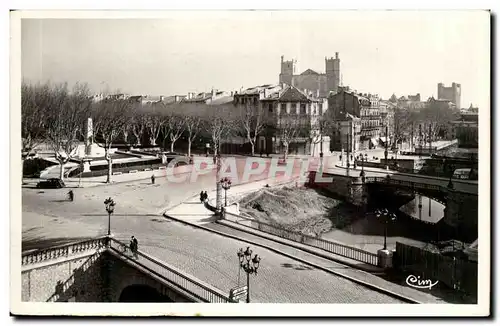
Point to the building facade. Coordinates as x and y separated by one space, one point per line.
452 94
323 83
366 107
280 105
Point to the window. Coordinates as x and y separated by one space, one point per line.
320 108
271 107
294 107
303 108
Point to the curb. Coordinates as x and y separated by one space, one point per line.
368 285
293 245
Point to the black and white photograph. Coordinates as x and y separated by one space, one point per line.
211 163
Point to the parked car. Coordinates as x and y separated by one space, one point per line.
52 183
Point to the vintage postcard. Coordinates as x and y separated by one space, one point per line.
250 163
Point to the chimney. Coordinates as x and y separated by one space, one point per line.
162 98
213 92
317 93
336 55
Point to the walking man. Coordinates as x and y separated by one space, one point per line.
202 196
134 246
153 179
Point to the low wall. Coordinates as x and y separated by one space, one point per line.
348 188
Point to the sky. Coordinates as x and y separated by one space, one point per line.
383 52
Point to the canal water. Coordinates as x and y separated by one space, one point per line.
431 211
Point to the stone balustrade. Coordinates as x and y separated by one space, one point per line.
43 255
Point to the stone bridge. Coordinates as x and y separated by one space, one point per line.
104 270
459 196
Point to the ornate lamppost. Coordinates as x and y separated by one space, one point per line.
218 197
388 217
226 185
249 265
363 160
110 208
386 151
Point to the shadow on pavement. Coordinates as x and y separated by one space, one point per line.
298 267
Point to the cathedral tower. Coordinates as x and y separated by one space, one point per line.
332 73
287 71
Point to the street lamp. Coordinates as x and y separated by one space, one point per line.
388 216
249 265
386 151
110 208
363 160
226 185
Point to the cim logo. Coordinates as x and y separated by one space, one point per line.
416 282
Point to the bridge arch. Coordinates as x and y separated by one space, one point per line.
142 293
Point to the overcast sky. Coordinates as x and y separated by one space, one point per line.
381 52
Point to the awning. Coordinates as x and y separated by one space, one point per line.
382 139
374 141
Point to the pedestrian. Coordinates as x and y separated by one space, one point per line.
134 246
205 196
202 196
153 179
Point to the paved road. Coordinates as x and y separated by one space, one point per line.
205 255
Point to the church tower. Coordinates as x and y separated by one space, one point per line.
332 73
287 71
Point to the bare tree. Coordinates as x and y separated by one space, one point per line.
126 131
404 120
138 123
174 124
154 121
35 103
436 118
252 120
219 122
193 125
289 128
320 126
65 122
110 116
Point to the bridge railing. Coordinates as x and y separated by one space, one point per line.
204 292
327 245
65 250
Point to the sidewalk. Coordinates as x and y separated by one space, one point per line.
193 211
